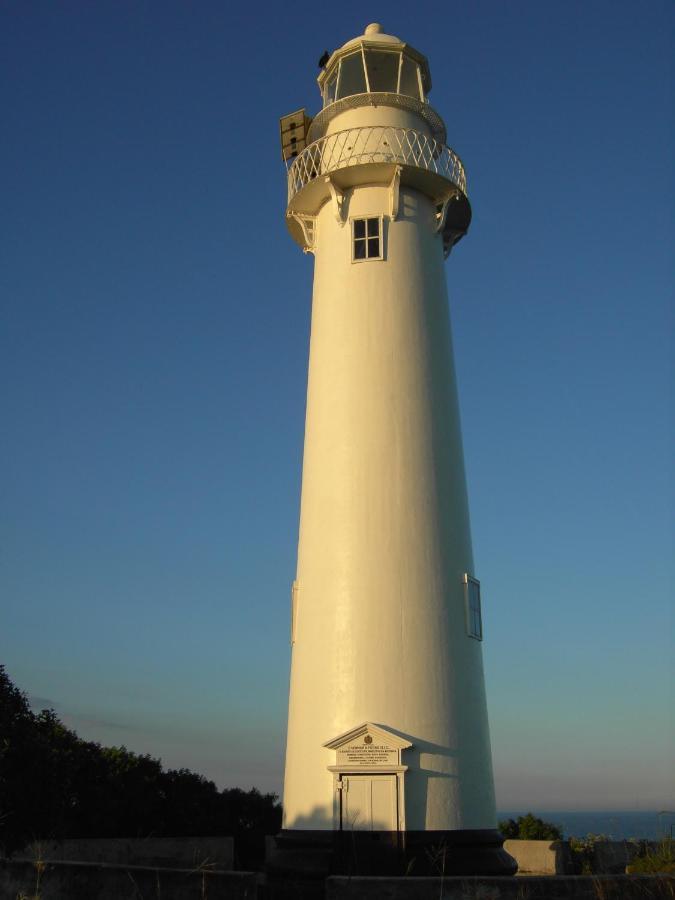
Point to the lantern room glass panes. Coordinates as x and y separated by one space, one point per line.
329 87
382 70
409 80
352 78
389 71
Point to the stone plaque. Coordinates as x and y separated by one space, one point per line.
368 747
366 752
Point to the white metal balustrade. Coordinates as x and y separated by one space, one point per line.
374 144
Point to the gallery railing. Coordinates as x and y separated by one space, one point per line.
374 144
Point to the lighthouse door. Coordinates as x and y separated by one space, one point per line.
368 803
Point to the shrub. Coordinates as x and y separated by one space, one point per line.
659 861
583 851
530 828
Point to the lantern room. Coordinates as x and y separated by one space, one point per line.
375 63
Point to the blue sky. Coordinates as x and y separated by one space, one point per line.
153 356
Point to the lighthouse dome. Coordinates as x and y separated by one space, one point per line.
374 34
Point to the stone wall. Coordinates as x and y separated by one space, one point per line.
174 853
601 887
95 881
557 858
541 857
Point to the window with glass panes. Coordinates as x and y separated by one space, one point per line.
375 71
367 238
474 621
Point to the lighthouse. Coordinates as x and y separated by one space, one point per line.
388 762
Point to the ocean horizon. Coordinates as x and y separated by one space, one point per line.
617 825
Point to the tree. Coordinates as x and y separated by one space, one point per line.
55 785
24 758
530 828
40 770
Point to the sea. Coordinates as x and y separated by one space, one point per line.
617 825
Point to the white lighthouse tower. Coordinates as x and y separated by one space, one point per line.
388 753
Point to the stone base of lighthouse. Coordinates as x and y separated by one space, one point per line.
308 855
369 793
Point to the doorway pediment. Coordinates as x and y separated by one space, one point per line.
368 746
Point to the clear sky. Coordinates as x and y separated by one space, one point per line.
153 356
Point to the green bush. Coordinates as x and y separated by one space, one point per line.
660 861
583 850
530 828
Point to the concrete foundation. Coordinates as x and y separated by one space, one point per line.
316 854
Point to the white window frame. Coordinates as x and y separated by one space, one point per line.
334 71
419 81
418 71
337 78
366 259
365 68
474 616
338 83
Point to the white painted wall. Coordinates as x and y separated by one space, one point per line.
380 626
384 529
377 115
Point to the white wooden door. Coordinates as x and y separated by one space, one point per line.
369 803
